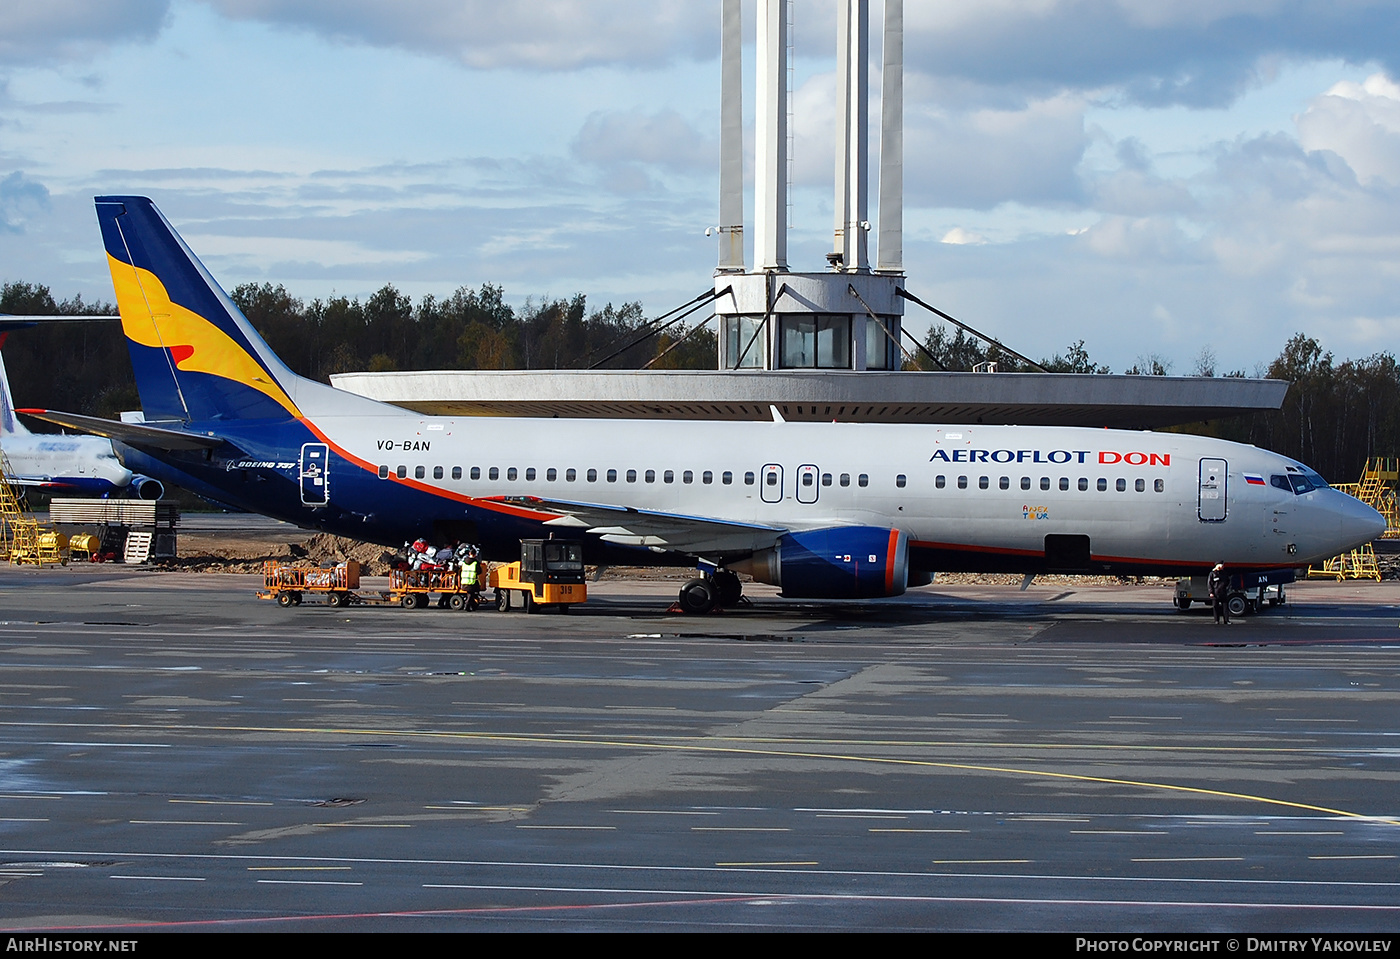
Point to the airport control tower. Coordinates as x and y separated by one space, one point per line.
848 316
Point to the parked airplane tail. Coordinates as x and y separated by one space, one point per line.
196 357
9 423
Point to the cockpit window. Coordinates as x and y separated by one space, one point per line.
1280 481
1301 484
1297 482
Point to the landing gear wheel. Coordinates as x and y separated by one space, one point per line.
1237 605
458 601
503 600
284 599
727 588
697 597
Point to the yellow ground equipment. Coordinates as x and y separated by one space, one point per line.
549 575
340 585
413 588
1377 489
1358 564
25 540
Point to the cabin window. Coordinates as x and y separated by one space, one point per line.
770 478
650 476
669 476
1025 482
437 472
401 472
1064 483
530 474
592 476
1103 484
900 481
631 476
612 476
456 472
494 473
807 479
1083 483
1140 485
383 472
863 480
727 478
551 474
688 477
1045 482
846 479
826 479
512 473
939 481
1004 482
419 472
707 477
748 479
962 482
570 475
1122 485
1158 486
476 472
983 482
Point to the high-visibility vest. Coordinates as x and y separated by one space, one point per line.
469 572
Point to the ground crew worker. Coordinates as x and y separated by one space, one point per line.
1218 585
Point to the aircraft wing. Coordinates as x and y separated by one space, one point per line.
628 526
133 434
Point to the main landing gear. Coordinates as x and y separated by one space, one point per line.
720 590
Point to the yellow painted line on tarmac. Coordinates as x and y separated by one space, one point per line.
219 802
363 825
180 822
298 868
719 746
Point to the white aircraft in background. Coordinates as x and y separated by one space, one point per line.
65 465
825 510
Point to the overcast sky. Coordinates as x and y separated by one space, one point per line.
1148 176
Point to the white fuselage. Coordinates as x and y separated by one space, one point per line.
1138 496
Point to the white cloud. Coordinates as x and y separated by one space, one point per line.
39 32
489 34
957 236
1360 122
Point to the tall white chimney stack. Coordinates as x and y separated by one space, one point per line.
852 124
731 139
890 255
770 146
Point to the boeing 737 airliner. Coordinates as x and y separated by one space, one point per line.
837 510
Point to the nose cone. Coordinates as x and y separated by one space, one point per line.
1357 522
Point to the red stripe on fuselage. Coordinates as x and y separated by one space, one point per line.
889 562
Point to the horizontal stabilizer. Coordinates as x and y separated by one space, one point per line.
628 526
133 434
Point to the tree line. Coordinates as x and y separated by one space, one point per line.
1336 414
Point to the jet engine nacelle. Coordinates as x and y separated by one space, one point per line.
146 487
841 562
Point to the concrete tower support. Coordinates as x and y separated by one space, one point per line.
731 139
770 133
891 247
852 125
